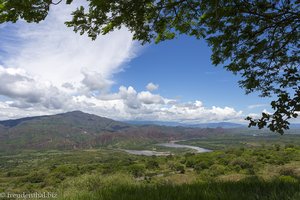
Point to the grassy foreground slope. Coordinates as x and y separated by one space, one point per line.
246 190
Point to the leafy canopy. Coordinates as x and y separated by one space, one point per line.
258 39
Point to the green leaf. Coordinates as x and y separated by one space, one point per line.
69 1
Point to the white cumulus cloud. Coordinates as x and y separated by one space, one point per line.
149 98
151 86
55 53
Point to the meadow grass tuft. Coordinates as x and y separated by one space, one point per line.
242 190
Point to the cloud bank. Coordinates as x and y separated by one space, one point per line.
46 68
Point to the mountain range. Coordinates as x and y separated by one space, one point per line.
73 130
198 125
76 129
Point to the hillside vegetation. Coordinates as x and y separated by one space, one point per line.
262 170
243 164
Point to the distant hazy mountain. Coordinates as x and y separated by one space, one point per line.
200 125
81 130
295 126
219 124
159 123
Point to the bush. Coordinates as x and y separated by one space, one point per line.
289 146
277 147
35 177
243 164
250 171
66 170
180 168
288 171
152 164
190 163
217 170
202 165
15 173
197 168
137 170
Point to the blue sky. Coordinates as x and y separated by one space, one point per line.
183 69
46 68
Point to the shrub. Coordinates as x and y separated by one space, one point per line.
289 146
180 168
36 177
198 168
217 170
67 170
203 165
15 173
190 163
137 170
288 171
277 147
152 164
243 164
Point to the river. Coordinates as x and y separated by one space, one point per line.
171 144
174 145
147 153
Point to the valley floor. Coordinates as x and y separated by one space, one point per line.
241 166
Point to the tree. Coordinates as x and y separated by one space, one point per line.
258 40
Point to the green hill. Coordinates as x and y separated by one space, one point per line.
72 129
